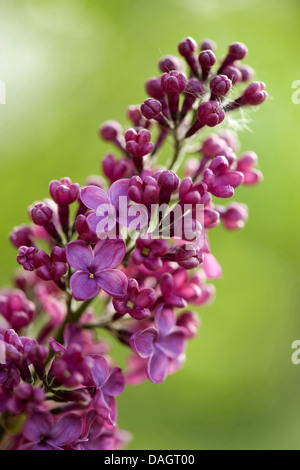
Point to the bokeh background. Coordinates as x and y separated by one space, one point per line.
68 66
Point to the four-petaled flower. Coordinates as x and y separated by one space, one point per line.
136 302
43 433
162 345
112 208
95 268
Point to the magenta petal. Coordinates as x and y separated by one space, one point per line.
223 191
115 383
158 367
117 190
56 347
103 442
252 176
79 255
37 425
100 370
67 430
83 287
112 403
165 319
230 178
211 266
143 342
173 344
109 253
93 197
100 405
113 282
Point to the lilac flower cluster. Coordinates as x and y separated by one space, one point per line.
58 383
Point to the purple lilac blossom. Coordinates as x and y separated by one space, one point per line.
58 382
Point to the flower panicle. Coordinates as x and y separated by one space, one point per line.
128 253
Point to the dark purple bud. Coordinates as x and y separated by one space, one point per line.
206 60
41 214
43 265
64 192
134 114
168 181
212 146
247 72
255 94
22 236
208 44
233 73
173 83
187 46
187 192
237 51
210 114
151 108
234 216
143 191
138 143
188 256
153 88
115 169
26 257
59 263
37 356
220 86
169 63
83 230
194 88
110 130
58 255
219 165
169 291
17 310
190 322
211 218
187 49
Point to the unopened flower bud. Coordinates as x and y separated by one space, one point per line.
41 214
110 130
169 63
220 86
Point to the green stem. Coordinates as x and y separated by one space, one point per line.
72 317
77 314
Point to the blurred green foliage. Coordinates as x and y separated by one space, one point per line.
68 66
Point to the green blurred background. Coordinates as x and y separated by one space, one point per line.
70 65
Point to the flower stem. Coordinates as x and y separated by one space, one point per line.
177 150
